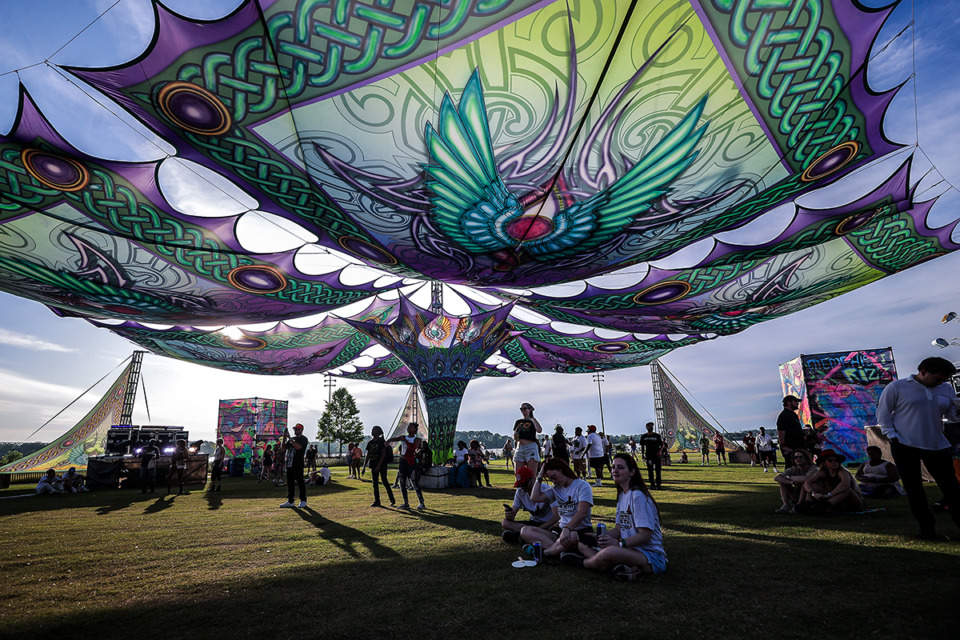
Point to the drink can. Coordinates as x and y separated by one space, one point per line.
601 529
537 552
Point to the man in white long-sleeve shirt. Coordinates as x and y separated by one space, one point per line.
911 413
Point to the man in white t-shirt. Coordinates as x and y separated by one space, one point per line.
595 453
578 452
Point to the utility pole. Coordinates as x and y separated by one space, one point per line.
598 378
330 382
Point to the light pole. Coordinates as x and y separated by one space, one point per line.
330 382
598 378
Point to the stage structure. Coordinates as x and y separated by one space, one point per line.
244 422
839 393
678 422
412 411
89 436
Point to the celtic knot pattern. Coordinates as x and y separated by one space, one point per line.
894 245
790 51
327 44
119 207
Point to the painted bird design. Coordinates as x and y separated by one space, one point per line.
473 206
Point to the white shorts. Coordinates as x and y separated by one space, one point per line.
527 452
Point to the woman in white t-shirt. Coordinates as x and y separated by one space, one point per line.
573 499
634 546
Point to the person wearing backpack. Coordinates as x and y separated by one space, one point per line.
379 455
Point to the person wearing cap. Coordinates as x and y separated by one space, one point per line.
596 453
542 512
910 413
789 428
295 465
525 432
831 488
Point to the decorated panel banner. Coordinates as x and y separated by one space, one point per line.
839 393
681 425
246 421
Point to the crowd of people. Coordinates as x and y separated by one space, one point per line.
552 474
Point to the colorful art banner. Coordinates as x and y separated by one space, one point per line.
245 422
839 392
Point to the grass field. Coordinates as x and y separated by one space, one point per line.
234 565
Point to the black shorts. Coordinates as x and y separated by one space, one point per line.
770 456
597 463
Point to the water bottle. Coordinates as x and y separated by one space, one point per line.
537 552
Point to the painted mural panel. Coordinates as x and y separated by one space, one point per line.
246 421
842 390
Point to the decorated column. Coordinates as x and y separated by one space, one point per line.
443 352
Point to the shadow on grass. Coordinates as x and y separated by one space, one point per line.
347 539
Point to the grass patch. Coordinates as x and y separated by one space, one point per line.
232 564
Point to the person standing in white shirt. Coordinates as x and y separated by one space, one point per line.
910 414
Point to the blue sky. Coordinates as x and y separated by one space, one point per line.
46 361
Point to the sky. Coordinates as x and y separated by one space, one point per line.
46 362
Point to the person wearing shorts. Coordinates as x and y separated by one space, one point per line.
525 432
595 452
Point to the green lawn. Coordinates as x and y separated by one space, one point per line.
234 565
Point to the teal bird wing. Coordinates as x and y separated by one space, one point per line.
591 222
471 203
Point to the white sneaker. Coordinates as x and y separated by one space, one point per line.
302 505
287 504
765 469
775 470
597 484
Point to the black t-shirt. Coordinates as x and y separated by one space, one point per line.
525 429
299 453
651 444
376 448
789 424
560 446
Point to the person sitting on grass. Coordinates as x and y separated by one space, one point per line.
49 483
634 547
879 478
73 481
574 500
832 488
542 513
791 481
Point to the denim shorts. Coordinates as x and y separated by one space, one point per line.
658 561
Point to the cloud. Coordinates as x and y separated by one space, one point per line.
25 341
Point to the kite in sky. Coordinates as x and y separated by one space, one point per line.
278 182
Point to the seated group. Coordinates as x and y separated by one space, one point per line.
809 489
560 520
69 482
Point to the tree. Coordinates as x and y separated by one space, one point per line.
340 421
11 456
